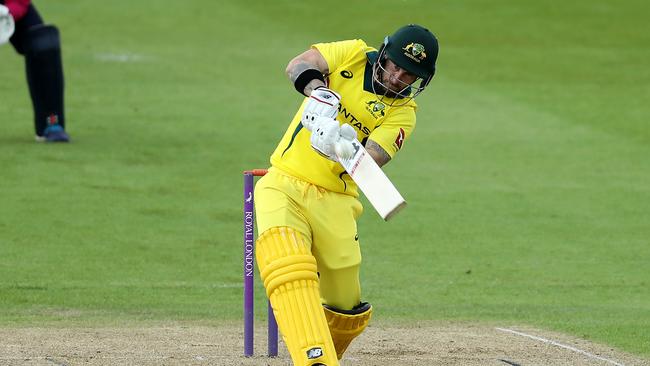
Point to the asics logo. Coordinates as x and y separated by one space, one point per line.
346 74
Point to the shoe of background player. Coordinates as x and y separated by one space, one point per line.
53 133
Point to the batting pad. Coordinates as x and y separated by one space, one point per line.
290 277
345 325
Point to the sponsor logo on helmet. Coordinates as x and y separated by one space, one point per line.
376 108
400 139
415 52
314 353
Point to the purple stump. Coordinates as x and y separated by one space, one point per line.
249 264
249 271
273 333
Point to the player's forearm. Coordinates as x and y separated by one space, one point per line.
313 85
297 67
379 155
307 64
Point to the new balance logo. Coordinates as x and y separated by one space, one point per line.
314 353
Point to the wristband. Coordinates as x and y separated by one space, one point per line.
305 77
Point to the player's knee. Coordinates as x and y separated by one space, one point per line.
42 38
283 257
345 325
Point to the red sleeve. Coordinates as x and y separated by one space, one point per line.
17 8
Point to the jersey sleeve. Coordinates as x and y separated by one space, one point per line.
337 53
395 130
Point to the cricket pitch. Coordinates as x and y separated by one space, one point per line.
430 344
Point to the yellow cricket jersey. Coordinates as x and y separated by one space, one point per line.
350 64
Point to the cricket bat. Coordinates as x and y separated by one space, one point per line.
372 181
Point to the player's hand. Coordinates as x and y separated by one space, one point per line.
322 102
324 136
344 148
7 25
329 138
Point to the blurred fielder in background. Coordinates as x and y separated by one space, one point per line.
39 43
308 249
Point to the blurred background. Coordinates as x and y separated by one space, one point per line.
527 176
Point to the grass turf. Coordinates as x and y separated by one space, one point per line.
527 176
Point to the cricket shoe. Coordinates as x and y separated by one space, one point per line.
53 133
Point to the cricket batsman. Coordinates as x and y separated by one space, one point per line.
307 206
40 45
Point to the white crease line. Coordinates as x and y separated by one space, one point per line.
120 57
560 345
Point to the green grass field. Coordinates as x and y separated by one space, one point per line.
528 176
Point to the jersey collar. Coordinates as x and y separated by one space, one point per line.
372 57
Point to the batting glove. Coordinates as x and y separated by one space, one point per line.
322 102
7 25
330 139
344 148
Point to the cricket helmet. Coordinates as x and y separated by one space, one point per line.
414 49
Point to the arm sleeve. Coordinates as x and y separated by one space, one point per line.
17 8
336 53
397 127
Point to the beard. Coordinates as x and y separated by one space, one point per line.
382 90
383 87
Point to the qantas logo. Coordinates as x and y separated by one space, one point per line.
400 139
349 118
